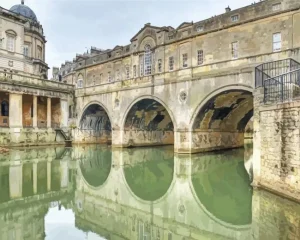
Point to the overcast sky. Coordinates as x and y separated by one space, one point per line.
72 26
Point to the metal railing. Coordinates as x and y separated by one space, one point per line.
269 70
283 87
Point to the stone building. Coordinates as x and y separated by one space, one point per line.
22 42
31 107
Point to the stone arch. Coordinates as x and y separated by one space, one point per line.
94 124
147 40
220 120
148 121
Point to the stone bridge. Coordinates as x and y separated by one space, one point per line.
139 198
196 114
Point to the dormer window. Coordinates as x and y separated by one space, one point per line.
235 18
200 29
276 7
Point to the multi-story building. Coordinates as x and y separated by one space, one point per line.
22 42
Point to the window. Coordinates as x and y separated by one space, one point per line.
109 79
235 18
148 60
134 71
5 108
26 50
159 65
39 53
100 78
10 43
141 65
80 83
118 75
127 72
200 57
199 28
276 42
276 7
70 111
234 49
184 60
171 63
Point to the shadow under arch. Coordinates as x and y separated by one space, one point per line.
95 120
95 165
150 177
221 186
213 95
144 97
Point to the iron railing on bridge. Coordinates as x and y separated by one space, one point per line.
280 80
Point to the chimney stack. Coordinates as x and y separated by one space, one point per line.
228 9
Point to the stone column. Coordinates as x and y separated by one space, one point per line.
182 141
64 111
49 163
34 170
34 120
48 112
15 110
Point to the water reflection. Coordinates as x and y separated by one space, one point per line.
92 192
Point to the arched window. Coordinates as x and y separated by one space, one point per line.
148 60
80 81
5 108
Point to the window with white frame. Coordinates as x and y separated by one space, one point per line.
159 62
127 72
11 43
141 65
134 71
185 60
26 50
235 50
80 83
276 42
171 63
109 78
200 57
276 7
148 60
235 18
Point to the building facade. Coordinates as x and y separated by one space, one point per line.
22 42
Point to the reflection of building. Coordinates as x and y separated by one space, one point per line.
126 204
22 42
29 182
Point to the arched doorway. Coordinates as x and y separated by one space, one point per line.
221 121
148 123
95 125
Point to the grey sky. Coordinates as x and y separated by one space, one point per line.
72 26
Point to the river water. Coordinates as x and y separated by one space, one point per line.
93 192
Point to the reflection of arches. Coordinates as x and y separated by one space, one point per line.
95 167
221 185
5 108
151 176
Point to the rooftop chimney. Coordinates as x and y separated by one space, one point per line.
22 2
148 24
228 9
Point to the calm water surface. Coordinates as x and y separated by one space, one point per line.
92 192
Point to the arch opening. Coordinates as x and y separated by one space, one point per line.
95 125
148 123
222 121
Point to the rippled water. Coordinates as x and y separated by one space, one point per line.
93 192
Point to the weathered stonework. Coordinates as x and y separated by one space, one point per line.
279 127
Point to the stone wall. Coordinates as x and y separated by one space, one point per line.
27 110
42 112
279 148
